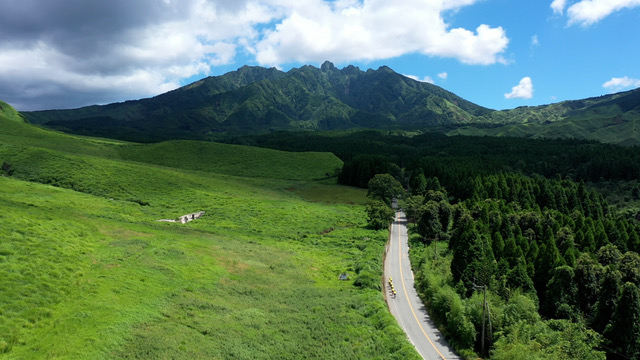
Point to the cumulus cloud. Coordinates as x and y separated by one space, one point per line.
443 75
112 50
535 41
71 53
524 90
558 6
427 79
314 30
619 84
588 12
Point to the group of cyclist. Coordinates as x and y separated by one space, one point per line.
393 291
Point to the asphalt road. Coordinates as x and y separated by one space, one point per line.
406 306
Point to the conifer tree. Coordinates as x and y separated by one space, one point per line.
629 266
429 225
607 299
418 182
623 333
588 276
547 260
561 294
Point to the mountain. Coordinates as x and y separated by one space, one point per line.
258 100
613 118
605 106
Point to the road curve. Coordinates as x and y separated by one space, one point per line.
406 306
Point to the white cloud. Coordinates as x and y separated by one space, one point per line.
524 90
70 59
535 41
558 6
588 12
113 50
427 79
315 30
443 75
618 84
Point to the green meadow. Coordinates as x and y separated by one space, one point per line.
87 271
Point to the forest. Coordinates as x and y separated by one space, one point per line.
516 234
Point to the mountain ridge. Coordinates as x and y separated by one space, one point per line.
611 118
254 100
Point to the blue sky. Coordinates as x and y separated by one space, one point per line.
496 53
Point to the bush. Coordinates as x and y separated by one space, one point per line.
7 168
460 328
380 215
367 278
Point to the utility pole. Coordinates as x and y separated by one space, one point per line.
435 242
484 314
484 307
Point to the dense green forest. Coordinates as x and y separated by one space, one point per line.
525 220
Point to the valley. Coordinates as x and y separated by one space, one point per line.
538 217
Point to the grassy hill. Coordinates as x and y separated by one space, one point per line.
86 271
187 155
235 160
9 113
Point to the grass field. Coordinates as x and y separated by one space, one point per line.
86 271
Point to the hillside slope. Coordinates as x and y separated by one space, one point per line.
87 271
611 118
188 155
9 113
606 106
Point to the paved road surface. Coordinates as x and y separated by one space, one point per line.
407 307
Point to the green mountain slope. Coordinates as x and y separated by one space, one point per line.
9 113
255 100
611 119
601 107
235 160
87 271
621 129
